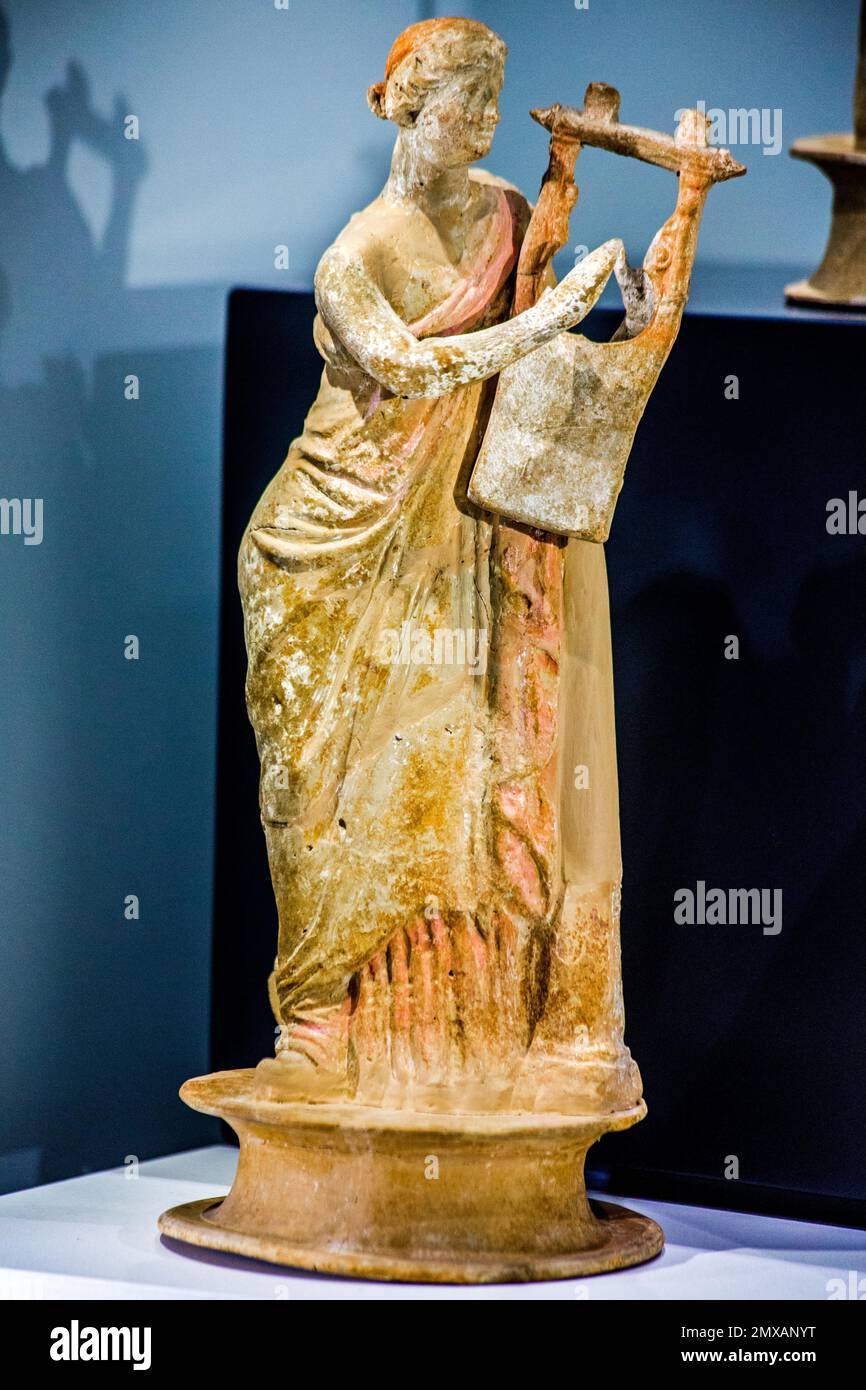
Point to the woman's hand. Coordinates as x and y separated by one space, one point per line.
581 287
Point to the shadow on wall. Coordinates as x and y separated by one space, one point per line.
108 530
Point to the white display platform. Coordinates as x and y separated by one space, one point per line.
95 1237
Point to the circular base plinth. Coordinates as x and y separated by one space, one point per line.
804 292
840 280
401 1194
627 1239
838 148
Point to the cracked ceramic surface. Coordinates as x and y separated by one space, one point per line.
429 663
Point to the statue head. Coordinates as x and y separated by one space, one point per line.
441 87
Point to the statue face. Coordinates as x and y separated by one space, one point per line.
456 124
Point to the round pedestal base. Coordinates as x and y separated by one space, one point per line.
840 280
804 292
627 1239
353 1190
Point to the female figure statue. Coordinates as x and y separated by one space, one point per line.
430 686
429 681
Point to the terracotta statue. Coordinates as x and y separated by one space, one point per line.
840 279
430 687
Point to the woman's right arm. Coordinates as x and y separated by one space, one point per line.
359 315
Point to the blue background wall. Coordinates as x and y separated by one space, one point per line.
116 258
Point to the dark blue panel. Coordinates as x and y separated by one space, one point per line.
741 773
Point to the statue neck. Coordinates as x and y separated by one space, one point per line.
438 192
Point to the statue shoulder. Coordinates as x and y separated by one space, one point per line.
521 208
496 181
363 243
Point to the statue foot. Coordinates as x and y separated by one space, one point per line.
312 1060
572 1081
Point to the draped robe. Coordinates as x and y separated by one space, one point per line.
424 680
